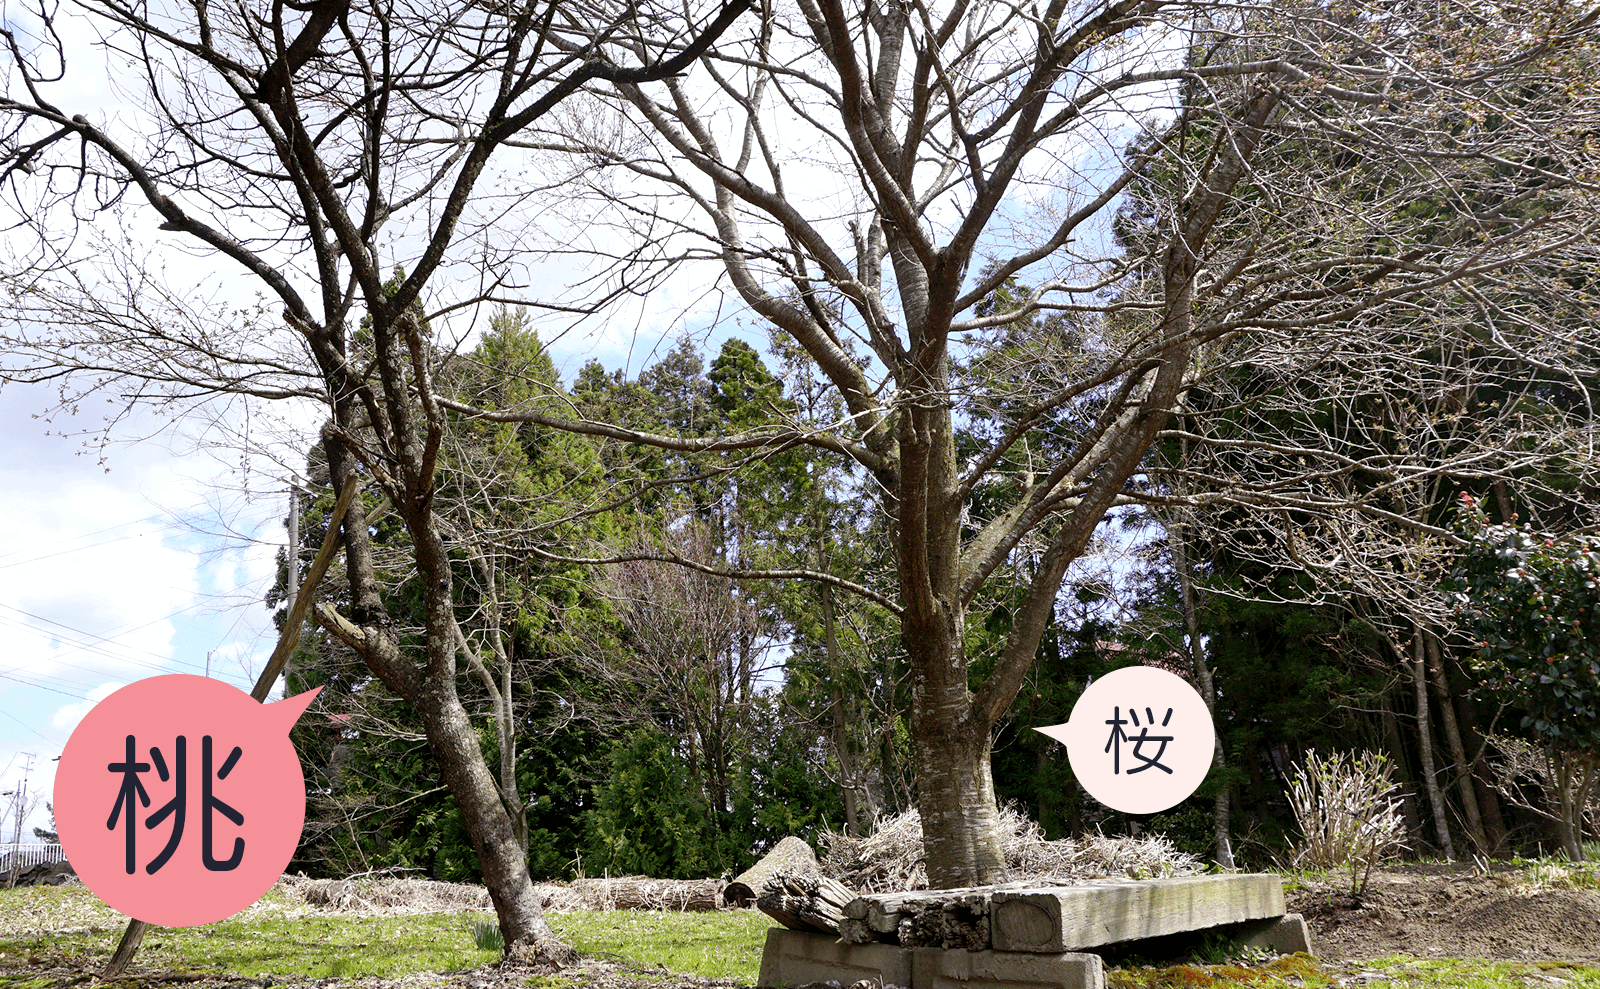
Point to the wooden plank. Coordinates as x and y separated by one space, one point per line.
1073 918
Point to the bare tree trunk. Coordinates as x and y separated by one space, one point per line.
528 936
1458 752
1397 751
430 686
127 947
1494 825
1430 782
960 824
849 778
1208 691
1574 776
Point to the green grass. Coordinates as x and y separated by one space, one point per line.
726 945
1439 973
1296 970
1559 872
319 947
265 941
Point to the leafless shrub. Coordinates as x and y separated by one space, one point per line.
1345 812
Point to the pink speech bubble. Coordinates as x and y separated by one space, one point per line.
215 791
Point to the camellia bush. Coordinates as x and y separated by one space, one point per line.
1532 604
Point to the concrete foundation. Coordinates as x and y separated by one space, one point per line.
938 968
1038 933
795 958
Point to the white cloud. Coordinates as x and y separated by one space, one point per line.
67 716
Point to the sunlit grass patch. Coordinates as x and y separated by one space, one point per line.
318 947
1407 972
1391 972
31 910
1554 872
718 945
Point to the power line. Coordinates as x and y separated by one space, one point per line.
96 649
76 549
86 535
90 647
40 686
24 724
47 679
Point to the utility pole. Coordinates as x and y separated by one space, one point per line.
21 808
293 561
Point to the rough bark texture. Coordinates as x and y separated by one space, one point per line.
1396 745
805 902
1458 751
1494 824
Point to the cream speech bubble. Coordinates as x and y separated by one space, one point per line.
1140 739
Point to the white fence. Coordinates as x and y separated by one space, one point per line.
28 855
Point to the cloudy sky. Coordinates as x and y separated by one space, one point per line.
117 565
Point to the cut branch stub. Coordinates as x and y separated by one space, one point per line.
791 855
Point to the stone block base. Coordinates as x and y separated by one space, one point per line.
794 958
1287 934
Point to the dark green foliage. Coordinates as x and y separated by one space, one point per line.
1532 604
651 817
1031 769
48 836
679 769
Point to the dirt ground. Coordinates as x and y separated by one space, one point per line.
1455 911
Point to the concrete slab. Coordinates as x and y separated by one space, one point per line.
1287 934
938 968
794 958
1071 918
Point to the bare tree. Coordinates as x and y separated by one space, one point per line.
1490 387
313 146
866 175
690 637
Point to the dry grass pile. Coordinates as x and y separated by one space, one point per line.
631 893
382 897
891 858
388 897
